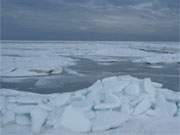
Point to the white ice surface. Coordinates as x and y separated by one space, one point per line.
38 117
109 106
108 120
40 58
75 120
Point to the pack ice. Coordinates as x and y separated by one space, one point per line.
109 104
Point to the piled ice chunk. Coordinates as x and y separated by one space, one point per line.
75 120
107 104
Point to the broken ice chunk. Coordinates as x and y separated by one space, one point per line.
23 119
54 117
2 104
24 100
178 111
60 99
57 70
75 120
84 105
8 116
108 119
97 94
165 108
133 89
38 116
114 103
126 109
148 87
143 106
20 108
114 84
157 85
95 87
171 95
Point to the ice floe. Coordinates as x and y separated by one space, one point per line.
109 104
34 66
22 59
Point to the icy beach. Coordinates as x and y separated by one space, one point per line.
115 105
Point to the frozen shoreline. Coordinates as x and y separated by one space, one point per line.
122 100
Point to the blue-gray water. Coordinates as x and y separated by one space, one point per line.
168 75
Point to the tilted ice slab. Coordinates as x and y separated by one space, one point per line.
109 104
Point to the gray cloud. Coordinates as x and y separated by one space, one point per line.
90 19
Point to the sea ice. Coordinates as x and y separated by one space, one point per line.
22 119
164 108
133 89
60 99
75 120
148 87
110 104
16 108
143 106
108 120
2 104
171 95
45 59
111 101
114 84
8 117
38 117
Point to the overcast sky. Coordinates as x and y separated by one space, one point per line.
90 20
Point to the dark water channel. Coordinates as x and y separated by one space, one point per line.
167 74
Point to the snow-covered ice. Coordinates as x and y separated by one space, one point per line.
109 106
108 120
38 117
36 58
75 120
22 119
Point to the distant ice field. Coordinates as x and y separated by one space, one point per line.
49 67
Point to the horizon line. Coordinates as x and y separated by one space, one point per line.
2 40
